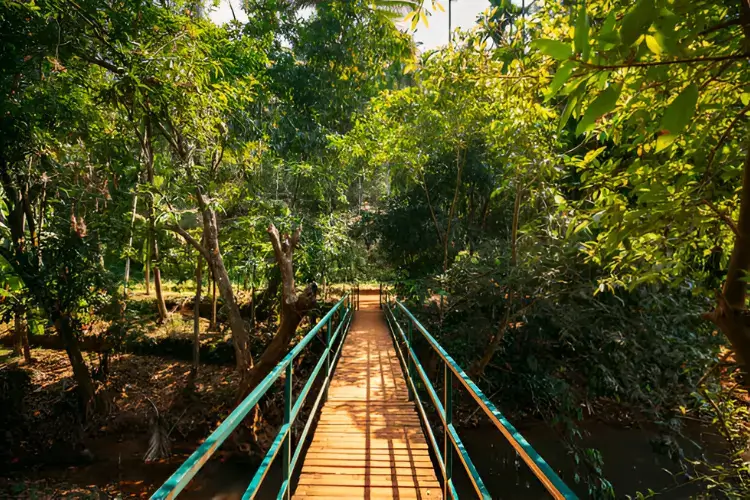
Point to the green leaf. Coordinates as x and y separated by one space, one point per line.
562 75
745 98
607 34
653 45
603 104
664 141
553 48
637 21
581 39
570 105
680 110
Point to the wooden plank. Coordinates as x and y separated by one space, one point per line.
368 480
362 453
387 470
356 492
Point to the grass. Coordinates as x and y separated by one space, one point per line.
6 354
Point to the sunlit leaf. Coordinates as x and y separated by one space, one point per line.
680 110
553 48
581 39
603 104
637 21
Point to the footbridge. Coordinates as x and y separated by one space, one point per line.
368 421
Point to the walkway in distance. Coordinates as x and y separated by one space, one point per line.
368 442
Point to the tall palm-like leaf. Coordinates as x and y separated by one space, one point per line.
393 10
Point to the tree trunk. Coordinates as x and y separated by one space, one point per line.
211 252
252 300
447 240
148 154
212 327
496 338
130 243
267 298
197 314
731 314
18 331
25 340
213 256
147 264
293 307
160 305
81 373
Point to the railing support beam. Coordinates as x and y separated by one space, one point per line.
328 360
447 443
286 451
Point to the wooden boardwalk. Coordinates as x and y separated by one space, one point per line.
368 442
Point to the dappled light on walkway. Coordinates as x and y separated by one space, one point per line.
368 442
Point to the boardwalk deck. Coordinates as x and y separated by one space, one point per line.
368 442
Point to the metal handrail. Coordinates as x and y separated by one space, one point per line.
451 441
177 481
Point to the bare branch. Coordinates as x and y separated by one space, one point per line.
294 242
273 233
192 241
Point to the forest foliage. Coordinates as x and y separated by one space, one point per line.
562 194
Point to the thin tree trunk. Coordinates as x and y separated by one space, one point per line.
149 157
21 324
497 337
441 237
160 304
18 330
448 239
130 242
213 305
25 344
147 272
197 313
514 228
252 299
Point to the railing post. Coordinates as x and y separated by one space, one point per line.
447 445
410 361
286 452
380 296
328 359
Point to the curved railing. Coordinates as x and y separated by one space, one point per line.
395 310
339 317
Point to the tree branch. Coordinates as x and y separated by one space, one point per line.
283 248
662 63
192 241
720 26
722 139
722 216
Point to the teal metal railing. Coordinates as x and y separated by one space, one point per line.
395 311
339 317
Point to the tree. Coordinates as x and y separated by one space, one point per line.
656 192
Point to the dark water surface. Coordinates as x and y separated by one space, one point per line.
631 464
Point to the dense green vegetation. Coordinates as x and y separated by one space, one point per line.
562 195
